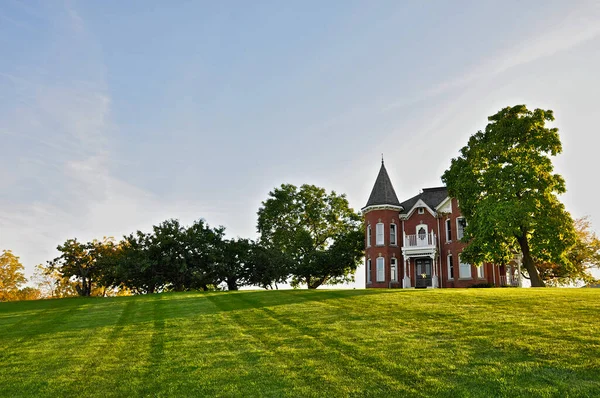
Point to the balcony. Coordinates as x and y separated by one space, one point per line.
419 240
417 245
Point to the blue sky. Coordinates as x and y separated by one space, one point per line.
117 115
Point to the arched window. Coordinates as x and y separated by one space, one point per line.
448 230
393 269
422 233
369 235
393 240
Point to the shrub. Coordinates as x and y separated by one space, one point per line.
482 285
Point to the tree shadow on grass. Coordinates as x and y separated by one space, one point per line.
73 314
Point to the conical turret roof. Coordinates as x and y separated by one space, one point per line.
383 192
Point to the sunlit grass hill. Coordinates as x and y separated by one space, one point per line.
476 342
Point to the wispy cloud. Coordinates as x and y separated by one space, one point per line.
577 27
61 177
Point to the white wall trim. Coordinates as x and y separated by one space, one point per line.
413 209
368 209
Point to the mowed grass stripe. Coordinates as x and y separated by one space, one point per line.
50 348
477 342
295 356
193 345
354 370
114 364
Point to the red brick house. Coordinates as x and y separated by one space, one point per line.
416 243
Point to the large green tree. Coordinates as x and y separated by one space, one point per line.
234 263
268 266
203 255
83 263
319 232
507 190
172 257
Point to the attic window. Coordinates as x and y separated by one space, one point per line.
421 210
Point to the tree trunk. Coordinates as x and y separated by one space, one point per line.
232 284
534 276
315 284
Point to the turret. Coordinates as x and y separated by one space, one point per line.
383 261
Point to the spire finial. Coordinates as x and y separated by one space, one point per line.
382 158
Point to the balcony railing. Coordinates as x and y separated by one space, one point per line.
422 240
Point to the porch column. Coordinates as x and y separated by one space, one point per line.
519 264
406 280
434 278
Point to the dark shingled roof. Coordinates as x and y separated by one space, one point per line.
431 196
383 192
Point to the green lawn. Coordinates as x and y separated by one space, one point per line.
476 342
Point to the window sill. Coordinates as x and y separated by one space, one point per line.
381 245
465 279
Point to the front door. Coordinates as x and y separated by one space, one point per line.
423 272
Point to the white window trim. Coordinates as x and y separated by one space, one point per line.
369 235
458 238
394 266
369 271
448 223
382 269
421 210
395 235
460 267
377 234
448 261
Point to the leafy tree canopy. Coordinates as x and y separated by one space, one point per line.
11 276
319 232
52 284
82 263
506 189
584 256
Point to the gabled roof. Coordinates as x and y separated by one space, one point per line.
383 192
431 196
